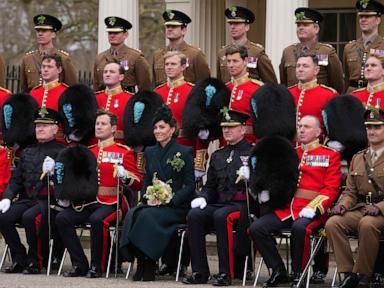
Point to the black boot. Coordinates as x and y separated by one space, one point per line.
139 270
149 269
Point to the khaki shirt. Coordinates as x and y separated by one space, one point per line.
2 71
31 69
197 65
136 67
259 64
354 58
331 71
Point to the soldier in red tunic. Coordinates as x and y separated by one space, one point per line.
310 97
5 168
115 162
114 98
317 187
241 86
373 94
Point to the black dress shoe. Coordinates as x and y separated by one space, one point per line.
351 280
279 275
138 276
195 278
364 281
165 270
55 264
14 268
32 268
295 280
149 270
222 279
93 273
318 277
378 281
76 271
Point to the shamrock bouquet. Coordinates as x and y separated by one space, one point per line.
159 193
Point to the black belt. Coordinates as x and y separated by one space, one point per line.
358 83
370 200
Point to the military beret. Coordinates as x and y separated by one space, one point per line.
47 22
239 14
117 24
231 118
374 116
46 116
369 8
175 17
307 15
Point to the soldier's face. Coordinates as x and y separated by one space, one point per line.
308 130
369 23
103 128
233 134
45 37
238 30
236 65
49 70
175 32
306 69
306 31
45 132
112 76
374 71
163 132
117 38
173 67
375 134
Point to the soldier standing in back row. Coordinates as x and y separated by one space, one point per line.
135 66
331 72
46 27
175 29
357 51
259 65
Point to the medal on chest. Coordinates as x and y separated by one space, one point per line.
317 160
323 59
125 64
239 95
252 62
112 157
230 157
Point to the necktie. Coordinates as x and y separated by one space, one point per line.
373 157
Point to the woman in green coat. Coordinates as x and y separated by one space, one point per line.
149 227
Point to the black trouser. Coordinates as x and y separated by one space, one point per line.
201 222
261 232
96 215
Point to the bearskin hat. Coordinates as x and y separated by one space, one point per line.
201 110
273 111
76 174
138 115
18 115
274 167
344 121
77 110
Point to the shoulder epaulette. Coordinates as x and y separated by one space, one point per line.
5 90
161 85
329 148
258 82
64 84
128 92
229 82
328 88
190 83
292 86
30 52
256 44
352 41
91 146
327 45
38 86
225 46
64 52
359 89
123 146
136 50
98 92
362 151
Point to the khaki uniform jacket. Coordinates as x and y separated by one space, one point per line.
331 71
2 71
30 71
354 58
358 186
197 65
259 64
134 63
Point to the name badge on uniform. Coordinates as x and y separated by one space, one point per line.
377 52
323 59
187 63
112 157
252 62
317 160
124 64
240 95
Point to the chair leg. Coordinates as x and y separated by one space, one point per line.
334 278
129 269
258 272
112 236
4 255
50 256
180 253
62 262
245 270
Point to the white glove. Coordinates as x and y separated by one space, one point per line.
4 205
121 172
199 202
243 172
48 165
263 196
307 213
336 145
63 203
203 134
199 174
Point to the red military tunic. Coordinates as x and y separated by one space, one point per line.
241 92
372 96
5 169
114 100
109 153
310 99
4 93
319 181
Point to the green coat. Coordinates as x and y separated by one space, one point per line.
149 228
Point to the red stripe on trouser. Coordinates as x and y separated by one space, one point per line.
230 218
106 223
40 257
307 242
